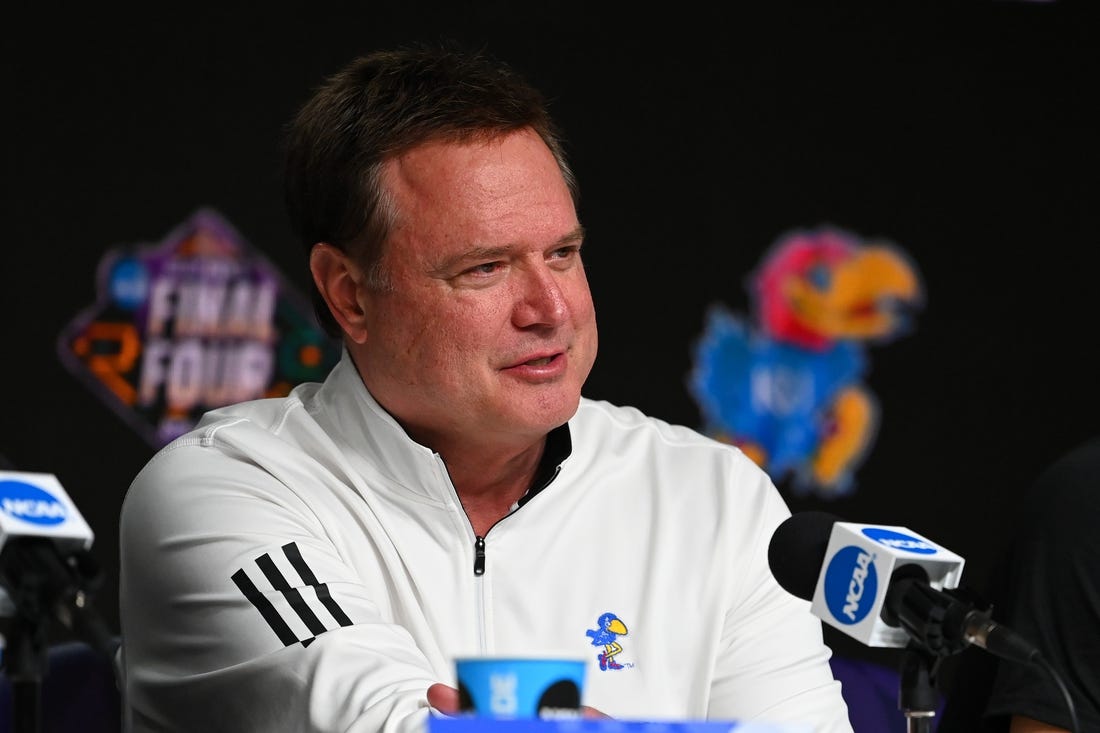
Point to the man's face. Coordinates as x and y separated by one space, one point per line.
489 331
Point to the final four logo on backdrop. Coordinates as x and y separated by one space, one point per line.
197 321
787 386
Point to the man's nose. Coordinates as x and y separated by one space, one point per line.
541 299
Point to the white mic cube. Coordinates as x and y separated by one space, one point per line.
855 576
35 505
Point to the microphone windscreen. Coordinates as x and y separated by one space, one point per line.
797 551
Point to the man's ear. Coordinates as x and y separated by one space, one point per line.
340 282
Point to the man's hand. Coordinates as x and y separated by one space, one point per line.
1022 724
445 699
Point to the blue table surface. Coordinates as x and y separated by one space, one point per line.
589 725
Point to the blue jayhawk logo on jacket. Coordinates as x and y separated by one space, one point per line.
609 628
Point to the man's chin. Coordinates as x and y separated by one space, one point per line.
539 418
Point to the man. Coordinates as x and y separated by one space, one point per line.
1047 589
317 562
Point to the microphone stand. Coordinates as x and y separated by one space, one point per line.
42 583
935 621
917 687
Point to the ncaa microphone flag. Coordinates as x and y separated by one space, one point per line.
35 505
855 577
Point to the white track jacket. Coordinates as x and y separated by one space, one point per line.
300 564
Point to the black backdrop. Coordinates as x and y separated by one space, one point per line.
961 132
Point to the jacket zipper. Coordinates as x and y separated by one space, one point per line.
479 555
479 540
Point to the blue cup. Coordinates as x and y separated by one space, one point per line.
518 688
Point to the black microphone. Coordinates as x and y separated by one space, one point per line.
836 566
46 565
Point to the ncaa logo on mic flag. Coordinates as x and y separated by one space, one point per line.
900 541
851 584
36 505
29 503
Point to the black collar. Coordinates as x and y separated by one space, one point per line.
558 447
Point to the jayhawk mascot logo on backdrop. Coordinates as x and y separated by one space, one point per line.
787 389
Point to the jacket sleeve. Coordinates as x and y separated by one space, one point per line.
772 660
238 613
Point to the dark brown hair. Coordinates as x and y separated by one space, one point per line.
378 106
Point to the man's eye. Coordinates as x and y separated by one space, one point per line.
485 268
564 257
